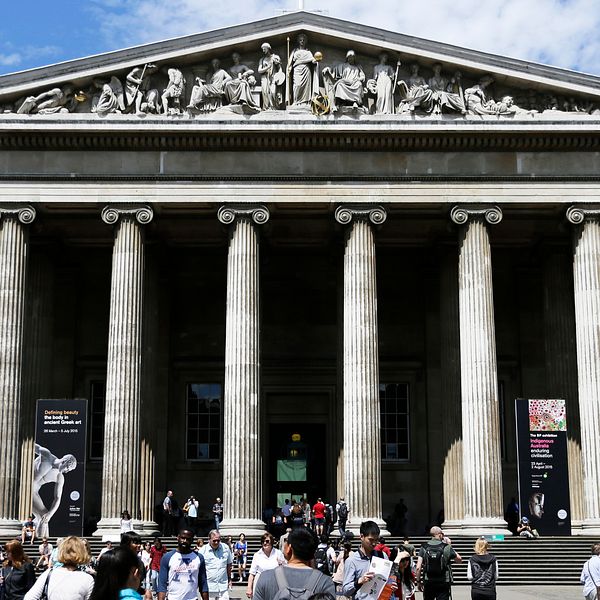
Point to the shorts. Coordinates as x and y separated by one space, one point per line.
436 591
320 521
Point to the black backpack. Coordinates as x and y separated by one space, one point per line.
322 561
434 563
343 511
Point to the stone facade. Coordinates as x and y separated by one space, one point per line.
300 263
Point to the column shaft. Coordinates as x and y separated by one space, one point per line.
362 434
13 263
121 465
586 279
482 466
242 467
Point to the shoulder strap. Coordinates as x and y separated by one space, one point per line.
45 590
313 580
282 582
590 573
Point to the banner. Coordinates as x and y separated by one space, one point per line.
59 467
542 465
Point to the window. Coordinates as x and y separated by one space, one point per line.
203 425
394 406
96 418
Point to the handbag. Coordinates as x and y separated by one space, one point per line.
44 595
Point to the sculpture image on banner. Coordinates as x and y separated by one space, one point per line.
59 467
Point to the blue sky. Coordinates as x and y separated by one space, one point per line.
562 33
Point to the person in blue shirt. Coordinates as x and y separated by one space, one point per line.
182 571
218 561
118 576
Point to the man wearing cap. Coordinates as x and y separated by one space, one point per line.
436 586
524 529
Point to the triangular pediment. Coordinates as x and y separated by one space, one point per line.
536 89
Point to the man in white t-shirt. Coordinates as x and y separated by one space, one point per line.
45 550
182 572
590 575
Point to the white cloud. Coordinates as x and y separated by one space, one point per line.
10 60
557 32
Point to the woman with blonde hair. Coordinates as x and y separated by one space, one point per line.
66 582
17 574
482 572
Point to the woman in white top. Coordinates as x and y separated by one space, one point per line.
126 523
145 558
66 582
266 558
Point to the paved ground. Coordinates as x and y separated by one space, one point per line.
509 592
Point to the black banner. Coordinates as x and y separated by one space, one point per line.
59 467
543 465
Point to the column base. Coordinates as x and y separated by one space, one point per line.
354 526
10 527
234 527
483 526
589 527
110 529
577 528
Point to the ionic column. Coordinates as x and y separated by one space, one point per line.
121 464
586 282
242 467
482 465
13 267
362 435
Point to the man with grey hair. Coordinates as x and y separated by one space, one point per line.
434 561
218 560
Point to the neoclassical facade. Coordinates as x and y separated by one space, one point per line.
324 266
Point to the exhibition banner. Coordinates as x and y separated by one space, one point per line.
542 465
59 467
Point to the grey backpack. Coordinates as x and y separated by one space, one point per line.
288 593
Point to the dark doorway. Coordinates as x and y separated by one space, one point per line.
297 462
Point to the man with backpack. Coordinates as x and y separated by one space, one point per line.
325 556
434 563
341 508
297 580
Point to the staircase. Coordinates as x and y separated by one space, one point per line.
542 561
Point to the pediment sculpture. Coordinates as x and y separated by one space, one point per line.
305 80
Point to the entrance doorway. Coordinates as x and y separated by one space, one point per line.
297 462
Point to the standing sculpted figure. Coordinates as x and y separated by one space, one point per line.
137 89
345 83
384 76
48 469
301 72
174 90
271 77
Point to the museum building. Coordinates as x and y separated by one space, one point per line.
300 257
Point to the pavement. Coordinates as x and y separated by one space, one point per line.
504 592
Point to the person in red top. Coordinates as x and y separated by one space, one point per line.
157 551
319 515
382 547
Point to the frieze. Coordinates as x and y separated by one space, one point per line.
301 81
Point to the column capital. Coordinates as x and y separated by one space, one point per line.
25 213
143 214
258 213
577 214
462 213
346 212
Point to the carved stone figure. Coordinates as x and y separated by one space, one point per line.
173 91
208 97
479 104
416 92
302 72
56 100
238 90
138 90
111 98
272 78
345 83
384 77
441 96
